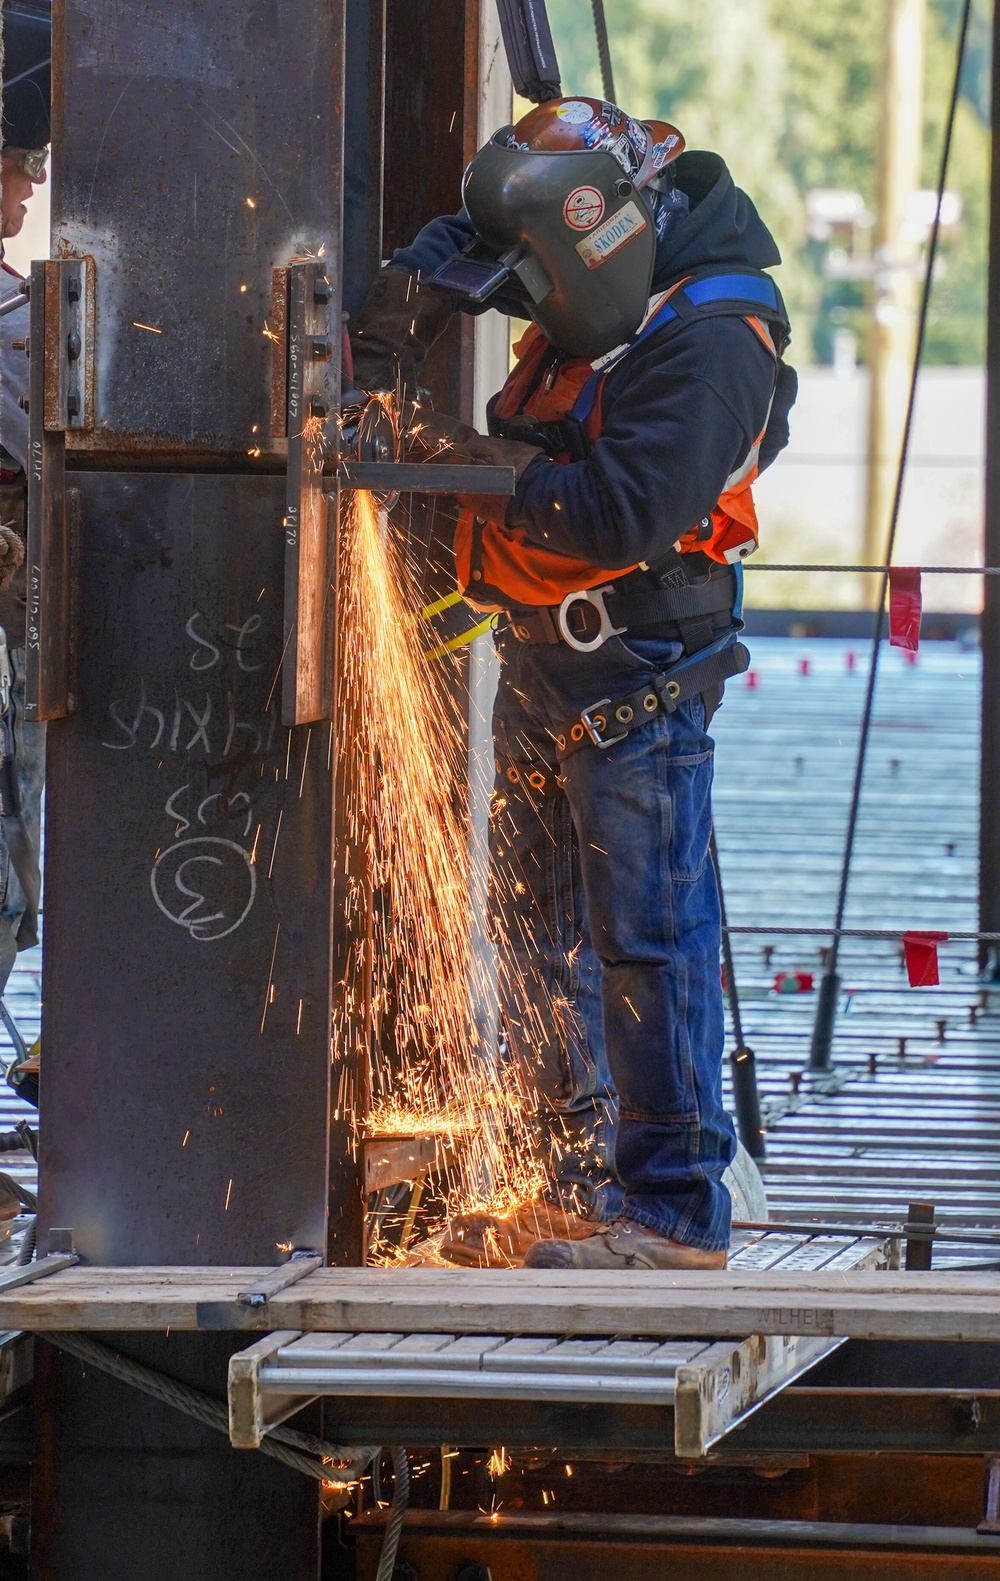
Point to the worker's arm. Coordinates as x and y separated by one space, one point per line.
400 319
678 419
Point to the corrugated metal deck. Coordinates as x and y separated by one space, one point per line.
912 1111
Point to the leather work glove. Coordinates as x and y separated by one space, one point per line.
394 329
435 437
11 555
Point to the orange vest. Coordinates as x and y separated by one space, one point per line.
525 572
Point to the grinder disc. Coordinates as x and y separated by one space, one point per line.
379 440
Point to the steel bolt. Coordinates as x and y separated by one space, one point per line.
322 351
322 290
318 408
23 403
73 405
20 345
74 346
73 288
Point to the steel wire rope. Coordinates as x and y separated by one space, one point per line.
302 1451
397 1509
603 50
822 1036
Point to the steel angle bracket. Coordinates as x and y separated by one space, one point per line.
307 377
60 401
425 477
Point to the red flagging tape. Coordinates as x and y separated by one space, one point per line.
904 608
922 957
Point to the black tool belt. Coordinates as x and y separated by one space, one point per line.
693 613
610 720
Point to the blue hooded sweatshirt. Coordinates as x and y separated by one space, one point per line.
679 413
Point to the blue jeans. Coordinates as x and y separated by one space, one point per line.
30 740
606 916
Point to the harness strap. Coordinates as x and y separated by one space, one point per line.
609 721
535 779
629 605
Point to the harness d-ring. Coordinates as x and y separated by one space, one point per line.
594 596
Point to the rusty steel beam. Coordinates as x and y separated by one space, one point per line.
507 1545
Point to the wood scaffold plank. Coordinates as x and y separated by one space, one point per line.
858 1305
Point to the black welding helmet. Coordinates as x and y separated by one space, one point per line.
27 66
563 216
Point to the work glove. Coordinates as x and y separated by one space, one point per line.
435 437
394 329
11 555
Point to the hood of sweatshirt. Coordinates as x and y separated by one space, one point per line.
721 227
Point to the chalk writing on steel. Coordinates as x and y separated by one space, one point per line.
205 885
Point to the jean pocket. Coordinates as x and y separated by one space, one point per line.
689 787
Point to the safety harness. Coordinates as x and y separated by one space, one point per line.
693 593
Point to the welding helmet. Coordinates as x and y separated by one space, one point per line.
27 93
561 203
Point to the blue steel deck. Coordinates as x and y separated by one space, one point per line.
925 1124
917 1113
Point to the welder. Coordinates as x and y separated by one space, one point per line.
648 392
27 29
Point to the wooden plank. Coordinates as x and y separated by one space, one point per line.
849 1303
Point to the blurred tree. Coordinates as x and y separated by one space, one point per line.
787 92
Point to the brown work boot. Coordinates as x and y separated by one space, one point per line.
623 1244
486 1240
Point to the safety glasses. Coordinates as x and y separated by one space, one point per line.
31 160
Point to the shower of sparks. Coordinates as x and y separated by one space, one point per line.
411 985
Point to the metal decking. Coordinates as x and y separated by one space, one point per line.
911 1109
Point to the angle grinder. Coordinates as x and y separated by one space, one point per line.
370 432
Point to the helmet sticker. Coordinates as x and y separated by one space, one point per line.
599 246
662 152
583 208
574 112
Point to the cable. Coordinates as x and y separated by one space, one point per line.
859 933
397 1509
603 50
826 1009
925 570
746 1097
302 1451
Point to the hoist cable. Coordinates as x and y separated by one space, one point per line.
822 1037
603 50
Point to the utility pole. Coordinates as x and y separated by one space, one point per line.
896 252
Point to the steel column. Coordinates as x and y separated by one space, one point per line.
190 835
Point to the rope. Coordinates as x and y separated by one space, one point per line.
302 1451
28 1243
925 570
603 50
397 1509
819 1057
